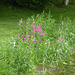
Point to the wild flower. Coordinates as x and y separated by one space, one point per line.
28 28
31 37
24 38
53 44
14 43
58 41
33 29
39 23
22 35
28 39
33 26
39 40
27 35
27 55
34 42
31 32
35 39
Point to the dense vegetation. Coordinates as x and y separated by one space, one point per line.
37 40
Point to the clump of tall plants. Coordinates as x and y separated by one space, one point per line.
39 40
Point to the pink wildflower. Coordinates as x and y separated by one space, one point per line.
47 43
33 19
28 28
38 26
34 42
38 33
31 32
36 30
27 55
32 26
27 35
31 37
53 44
24 38
39 40
39 23
58 41
28 39
40 30
22 35
35 39
33 29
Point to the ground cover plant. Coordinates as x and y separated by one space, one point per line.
39 41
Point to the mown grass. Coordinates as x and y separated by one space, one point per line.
19 55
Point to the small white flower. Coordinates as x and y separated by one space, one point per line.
45 43
14 43
12 37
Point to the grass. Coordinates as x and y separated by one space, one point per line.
19 55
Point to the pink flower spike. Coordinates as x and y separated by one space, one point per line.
28 28
53 44
39 23
35 39
31 32
34 22
22 35
36 30
27 35
27 55
58 41
34 42
47 43
28 39
33 29
43 34
39 40
39 33
31 37
24 38
33 19
59 38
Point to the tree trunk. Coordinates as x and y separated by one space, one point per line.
66 2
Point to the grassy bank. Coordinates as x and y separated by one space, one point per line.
35 40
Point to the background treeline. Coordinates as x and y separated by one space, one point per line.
34 3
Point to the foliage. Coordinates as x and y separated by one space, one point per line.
40 40
58 2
